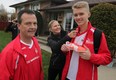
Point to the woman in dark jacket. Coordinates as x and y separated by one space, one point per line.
12 27
57 37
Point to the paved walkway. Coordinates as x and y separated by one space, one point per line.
44 47
104 72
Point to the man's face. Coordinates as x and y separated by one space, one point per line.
28 25
81 16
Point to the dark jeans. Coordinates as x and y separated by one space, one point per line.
52 73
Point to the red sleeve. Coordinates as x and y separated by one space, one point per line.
4 72
103 57
41 65
7 63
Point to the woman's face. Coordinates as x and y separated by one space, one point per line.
55 27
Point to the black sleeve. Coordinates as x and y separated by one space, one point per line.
56 45
9 27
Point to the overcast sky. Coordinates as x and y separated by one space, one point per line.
7 3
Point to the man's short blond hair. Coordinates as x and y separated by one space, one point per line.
81 4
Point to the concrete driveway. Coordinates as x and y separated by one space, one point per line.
106 73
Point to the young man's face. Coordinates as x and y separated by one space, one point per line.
81 16
55 27
28 25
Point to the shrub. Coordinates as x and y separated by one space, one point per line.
13 16
104 17
3 16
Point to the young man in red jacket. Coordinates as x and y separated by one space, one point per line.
82 65
21 59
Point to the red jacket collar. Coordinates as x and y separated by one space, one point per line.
88 28
17 45
78 29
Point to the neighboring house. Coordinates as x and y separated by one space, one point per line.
9 16
63 13
36 5
55 9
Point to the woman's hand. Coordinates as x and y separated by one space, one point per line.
72 34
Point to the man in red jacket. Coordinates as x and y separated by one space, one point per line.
21 59
82 65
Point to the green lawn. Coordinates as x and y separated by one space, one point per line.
46 57
5 38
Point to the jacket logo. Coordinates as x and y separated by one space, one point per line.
25 55
36 51
23 48
88 41
33 59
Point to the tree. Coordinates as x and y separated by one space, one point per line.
13 16
2 9
3 14
104 18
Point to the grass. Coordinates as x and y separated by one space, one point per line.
46 57
5 38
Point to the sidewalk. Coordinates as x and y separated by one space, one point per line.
46 48
104 72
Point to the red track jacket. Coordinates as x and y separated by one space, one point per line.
87 69
14 65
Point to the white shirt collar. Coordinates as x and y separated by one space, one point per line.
30 45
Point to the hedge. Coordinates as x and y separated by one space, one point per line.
103 16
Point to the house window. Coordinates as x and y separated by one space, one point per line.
68 21
59 16
19 8
53 16
35 6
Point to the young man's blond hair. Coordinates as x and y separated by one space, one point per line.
81 4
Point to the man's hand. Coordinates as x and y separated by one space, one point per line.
65 48
86 54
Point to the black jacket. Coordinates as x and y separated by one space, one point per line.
55 42
13 29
